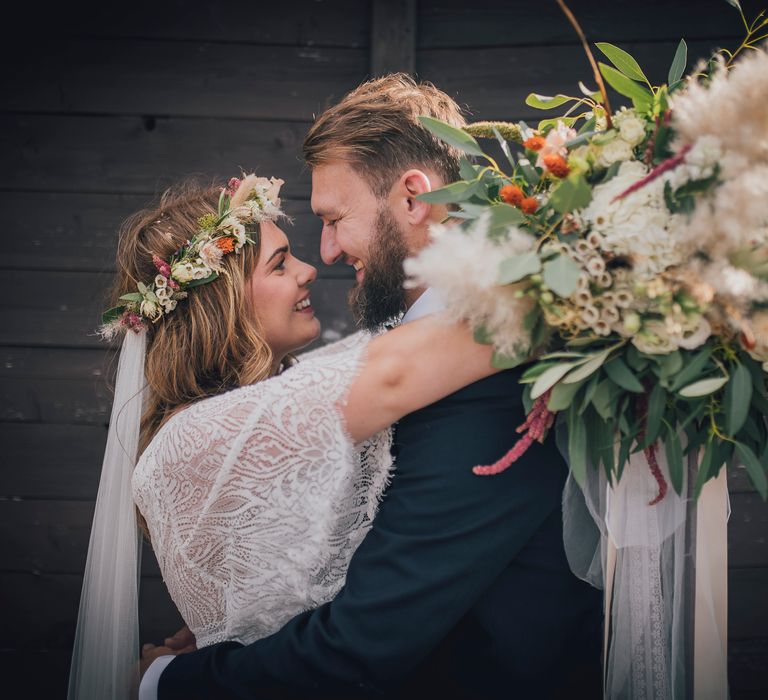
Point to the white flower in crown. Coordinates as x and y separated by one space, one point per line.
185 271
631 128
231 226
211 256
150 309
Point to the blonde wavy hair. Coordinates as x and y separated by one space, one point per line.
212 342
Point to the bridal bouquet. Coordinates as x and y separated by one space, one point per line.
627 253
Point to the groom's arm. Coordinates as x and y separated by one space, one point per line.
441 537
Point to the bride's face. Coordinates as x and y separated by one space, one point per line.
279 292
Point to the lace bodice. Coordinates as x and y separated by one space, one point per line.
256 499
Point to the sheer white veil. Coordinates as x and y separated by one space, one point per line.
106 649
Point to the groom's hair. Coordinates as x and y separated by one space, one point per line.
375 128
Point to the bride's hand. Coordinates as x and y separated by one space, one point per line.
183 641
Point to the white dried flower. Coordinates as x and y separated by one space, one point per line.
614 152
160 282
654 339
596 266
211 256
590 315
149 309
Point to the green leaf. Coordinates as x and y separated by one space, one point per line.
482 336
754 468
549 378
703 387
623 61
677 68
501 361
514 269
734 3
657 401
450 194
535 371
620 374
639 95
452 136
562 395
503 217
572 193
529 172
705 468
112 314
738 396
589 392
504 147
602 399
547 101
674 452
577 445
133 296
467 170
692 369
561 275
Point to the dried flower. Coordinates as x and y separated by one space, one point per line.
529 205
512 194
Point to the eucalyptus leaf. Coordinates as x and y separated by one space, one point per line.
705 468
467 170
674 452
639 95
529 172
205 280
504 147
692 369
535 371
703 387
602 399
454 193
482 336
112 314
549 378
452 136
572 193
547 101
754 468
562 395
561 275
620 374
502 361
656 404
132 296
738 396
577 445
623 61
734 3
677 68
514 269
503 217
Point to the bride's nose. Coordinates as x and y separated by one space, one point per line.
307 274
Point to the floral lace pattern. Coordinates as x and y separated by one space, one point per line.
256 499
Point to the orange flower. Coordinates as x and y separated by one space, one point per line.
556 164
534 143
512 194
226 244
529 205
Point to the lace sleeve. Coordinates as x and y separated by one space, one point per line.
256 499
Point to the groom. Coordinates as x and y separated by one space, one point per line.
461 588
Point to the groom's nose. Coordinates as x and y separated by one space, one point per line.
330 251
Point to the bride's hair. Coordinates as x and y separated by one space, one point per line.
212 342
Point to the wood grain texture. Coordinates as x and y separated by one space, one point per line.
79 231
485 23
393 36
144 77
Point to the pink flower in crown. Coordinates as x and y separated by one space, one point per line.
172 283
232 186
162 267
555 142
132 320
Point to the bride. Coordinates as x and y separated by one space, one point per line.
258 475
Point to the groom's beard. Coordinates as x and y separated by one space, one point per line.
380 297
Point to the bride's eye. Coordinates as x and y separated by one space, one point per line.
281 265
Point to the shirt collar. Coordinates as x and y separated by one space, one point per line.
428 303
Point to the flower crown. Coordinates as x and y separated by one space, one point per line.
247 201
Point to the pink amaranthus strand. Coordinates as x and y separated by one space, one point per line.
537 423
162 267
659 170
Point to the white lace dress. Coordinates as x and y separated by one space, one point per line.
256 499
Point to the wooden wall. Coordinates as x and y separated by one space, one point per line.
105 105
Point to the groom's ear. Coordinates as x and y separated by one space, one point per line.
408 187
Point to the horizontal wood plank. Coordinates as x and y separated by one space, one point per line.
302 23
192 79
452 23
494 82
40 611
61 153
63 308
79 231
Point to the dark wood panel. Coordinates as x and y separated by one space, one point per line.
300 23
50 461
453 23
52 537
747 603
63 308
74 231
748 668
40 611
494 82
135 155
151 77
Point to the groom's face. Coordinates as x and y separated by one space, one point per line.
360 230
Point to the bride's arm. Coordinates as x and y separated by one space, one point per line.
410 367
